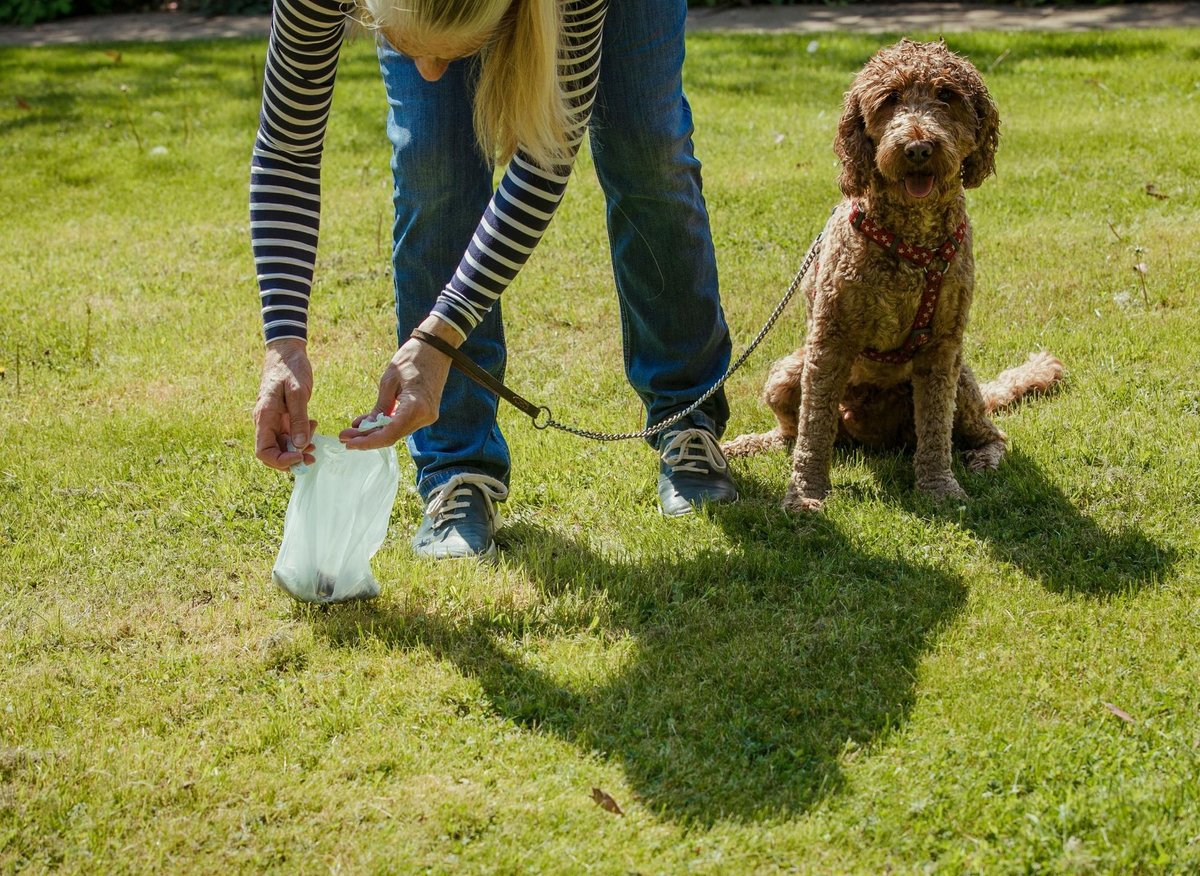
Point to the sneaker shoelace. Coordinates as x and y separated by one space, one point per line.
694 450
447 501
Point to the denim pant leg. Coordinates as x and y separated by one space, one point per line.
676 339
442 187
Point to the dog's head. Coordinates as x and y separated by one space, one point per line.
919 120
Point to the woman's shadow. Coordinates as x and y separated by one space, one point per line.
753 672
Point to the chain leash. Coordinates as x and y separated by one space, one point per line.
543 417
550 423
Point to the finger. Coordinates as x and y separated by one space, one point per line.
268 451
272 458
354 432
357 421
384 436
297 412
389 388
287 449
304 457
270 447
308 451
364 424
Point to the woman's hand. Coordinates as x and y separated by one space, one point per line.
281 414
410 391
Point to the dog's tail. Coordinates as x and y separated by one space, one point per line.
1038 375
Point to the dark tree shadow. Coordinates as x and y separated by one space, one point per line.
753 672
1025 520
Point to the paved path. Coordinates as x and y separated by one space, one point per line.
868 17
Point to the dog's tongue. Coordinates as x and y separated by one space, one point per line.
918 186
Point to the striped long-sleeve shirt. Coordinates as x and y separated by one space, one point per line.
285 173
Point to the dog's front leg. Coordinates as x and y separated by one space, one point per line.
826 370
935 384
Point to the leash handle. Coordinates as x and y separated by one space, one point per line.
463 363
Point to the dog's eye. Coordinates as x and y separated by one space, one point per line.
892 98
945 95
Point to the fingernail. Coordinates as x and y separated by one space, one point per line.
301 441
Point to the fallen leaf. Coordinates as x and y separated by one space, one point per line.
1152 191
22 104
605 802
116 56
1120 713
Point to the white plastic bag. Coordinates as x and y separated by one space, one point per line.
336 520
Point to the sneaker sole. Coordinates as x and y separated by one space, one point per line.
488 557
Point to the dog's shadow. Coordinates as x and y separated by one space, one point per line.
1025 520
750 675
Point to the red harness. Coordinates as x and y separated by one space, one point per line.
921 332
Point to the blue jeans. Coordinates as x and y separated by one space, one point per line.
675 337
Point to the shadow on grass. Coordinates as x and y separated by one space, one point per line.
1027 521
755 672
752 675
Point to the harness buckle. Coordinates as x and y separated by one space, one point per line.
857 214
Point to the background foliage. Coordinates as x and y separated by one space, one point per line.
25 12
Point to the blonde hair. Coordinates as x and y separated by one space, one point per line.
519 102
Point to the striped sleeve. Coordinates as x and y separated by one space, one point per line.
285 169
525 201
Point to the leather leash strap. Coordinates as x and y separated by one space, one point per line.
464 364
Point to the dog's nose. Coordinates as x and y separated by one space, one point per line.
918 151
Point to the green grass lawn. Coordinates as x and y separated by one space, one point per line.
890 687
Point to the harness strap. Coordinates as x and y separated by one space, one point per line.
921 330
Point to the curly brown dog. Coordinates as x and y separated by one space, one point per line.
889 295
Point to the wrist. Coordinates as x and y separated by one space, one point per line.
438 327
288 345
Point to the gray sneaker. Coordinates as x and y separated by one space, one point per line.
461 519
693 471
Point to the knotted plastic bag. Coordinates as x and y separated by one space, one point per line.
336 520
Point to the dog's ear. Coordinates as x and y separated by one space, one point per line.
981 163
854 148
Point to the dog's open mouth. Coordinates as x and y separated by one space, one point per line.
918 185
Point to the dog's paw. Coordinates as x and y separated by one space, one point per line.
747 445
801 504
985 458
943 489
800 499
